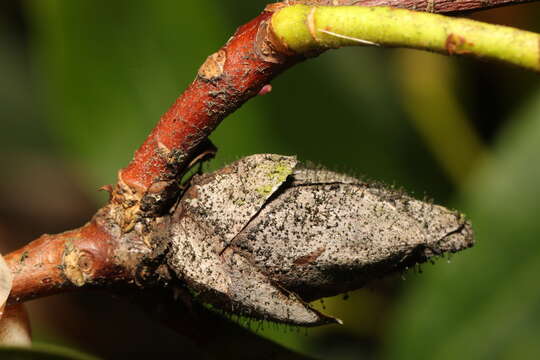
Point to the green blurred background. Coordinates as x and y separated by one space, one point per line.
83 82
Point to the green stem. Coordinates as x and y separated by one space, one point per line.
310 29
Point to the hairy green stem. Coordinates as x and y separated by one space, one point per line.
310 29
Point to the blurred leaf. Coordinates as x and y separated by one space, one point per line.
486 303
42 352
14 323
21 128
430 99
6 280
15 326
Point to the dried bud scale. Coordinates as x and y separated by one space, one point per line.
263 235
326 234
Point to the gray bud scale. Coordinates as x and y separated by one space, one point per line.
263 236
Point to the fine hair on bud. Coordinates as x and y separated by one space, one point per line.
264 235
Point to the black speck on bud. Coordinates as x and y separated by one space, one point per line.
263 236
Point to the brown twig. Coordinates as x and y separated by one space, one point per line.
93 255
224 82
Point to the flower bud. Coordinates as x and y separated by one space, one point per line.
263 235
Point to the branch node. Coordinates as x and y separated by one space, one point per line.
76 264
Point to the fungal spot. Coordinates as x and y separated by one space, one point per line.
456 44
213 66
264 190
276 174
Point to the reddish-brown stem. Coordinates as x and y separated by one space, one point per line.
228 78
56 263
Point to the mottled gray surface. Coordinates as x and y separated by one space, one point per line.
214 210
256 236
322 237
224 201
